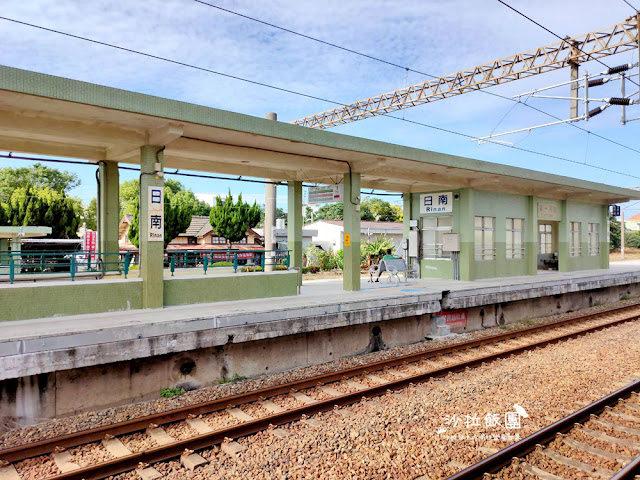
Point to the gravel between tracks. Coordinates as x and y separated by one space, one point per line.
415 434
19 436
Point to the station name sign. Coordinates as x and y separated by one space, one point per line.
436 202
326 194
548 211
156 214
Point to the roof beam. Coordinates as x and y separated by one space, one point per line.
38 147
218 152
51 129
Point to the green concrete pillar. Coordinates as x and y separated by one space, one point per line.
4 256
294 222
351 239
151 251
564 261
16 248
604 234
531 236
466 257
108 212
406 214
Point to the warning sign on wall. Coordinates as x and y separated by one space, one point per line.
455 318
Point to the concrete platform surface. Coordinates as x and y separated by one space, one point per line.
38 346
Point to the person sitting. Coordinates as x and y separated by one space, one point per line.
381 265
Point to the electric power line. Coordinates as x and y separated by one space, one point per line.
176 62
625 1
409 69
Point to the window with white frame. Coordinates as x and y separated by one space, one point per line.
433 228
574 239
515 248
545 238
484 233
216 239
594 240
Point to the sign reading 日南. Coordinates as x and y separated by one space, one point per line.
436 202
156 214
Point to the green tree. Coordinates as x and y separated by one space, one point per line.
130 190
632 239
614 233
178 210
37 175
335 211
41 206
280 213
380 210
4 215
232 220
376 249
89 214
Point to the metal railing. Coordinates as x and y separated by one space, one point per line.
63 263
206 259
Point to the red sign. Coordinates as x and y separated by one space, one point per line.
456 318
225 256
89 243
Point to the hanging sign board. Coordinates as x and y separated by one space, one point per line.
156 214
326 194
436 202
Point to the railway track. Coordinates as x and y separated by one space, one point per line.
564 450
139 443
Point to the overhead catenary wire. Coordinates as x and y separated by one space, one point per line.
306 95
556 35
625 1
407 69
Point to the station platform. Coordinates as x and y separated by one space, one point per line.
30 347
121 357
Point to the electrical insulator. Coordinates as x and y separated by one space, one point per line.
596 111
597 82
620 101
620 68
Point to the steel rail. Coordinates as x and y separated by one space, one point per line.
629 472
199 442
49 445
504 457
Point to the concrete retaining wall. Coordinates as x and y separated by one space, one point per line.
26 301
239 286
236 351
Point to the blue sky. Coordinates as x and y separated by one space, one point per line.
438 37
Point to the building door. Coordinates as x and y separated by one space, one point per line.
547 249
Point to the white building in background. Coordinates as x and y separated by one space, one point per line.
633 223
330 234
280 232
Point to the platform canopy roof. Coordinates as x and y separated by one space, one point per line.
44 114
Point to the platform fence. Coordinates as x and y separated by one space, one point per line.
62 263
243 260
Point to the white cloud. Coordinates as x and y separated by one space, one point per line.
436 37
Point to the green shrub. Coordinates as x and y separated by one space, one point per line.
235 378
171 392
251 268
326 260
632 239
223 263
312 269
281 267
